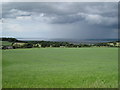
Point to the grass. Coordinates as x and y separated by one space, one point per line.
60 68
5 43
0 69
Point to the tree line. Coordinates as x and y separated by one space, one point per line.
37 44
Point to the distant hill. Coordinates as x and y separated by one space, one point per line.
8 39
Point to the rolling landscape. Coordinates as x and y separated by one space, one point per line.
59 67
59 45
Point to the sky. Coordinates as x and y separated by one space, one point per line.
51 20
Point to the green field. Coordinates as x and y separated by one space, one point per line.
0 69
60 68
5 43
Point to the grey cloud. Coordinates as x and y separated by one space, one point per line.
65 12
75 20
63 8
13 13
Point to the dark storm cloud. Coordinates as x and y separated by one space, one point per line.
63 12
76 20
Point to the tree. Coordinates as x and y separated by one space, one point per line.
28 45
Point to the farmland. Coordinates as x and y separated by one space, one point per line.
60 68
0 68
6 43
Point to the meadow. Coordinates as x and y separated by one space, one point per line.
5 43
0 69
60 68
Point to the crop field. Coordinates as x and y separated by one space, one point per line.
0 68
6 43
60 68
